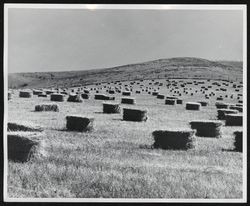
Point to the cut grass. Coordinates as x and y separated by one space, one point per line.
115 160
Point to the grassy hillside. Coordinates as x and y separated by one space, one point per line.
163 68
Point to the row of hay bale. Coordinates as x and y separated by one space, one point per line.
59 97
165 139
84 124
128 113
232 114
169 100
185 139
79 98
223 105
22 146
203 89
173 83
189 105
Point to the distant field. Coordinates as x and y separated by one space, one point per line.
182 67
116 159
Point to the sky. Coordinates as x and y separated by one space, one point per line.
83 39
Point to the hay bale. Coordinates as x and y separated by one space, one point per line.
193 106
221 105
111 91
47 107
25 94
56 97
233 119
179 101
50 91
126 93
42 95
74 98
79 123
26 127
170 101
111 108
85 96
103 97
165 139
23 146
134 115
154 93
128 100
219 98
160 96
207 128
238 141
171 97
222 112
37 92
203 103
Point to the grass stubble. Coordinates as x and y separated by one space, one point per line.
116 159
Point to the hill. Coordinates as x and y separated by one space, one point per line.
183 67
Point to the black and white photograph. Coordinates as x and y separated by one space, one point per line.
125 103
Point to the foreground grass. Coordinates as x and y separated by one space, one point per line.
116 161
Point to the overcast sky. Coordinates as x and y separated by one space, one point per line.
67 39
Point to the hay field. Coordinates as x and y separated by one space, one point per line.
116 160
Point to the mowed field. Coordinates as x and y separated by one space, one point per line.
116 159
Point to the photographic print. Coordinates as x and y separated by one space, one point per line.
125 103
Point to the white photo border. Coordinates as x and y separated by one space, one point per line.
241 7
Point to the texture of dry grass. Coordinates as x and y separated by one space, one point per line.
116 160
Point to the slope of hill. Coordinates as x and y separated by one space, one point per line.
183 67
